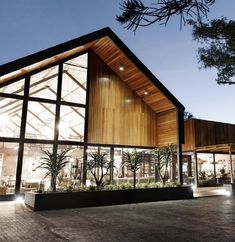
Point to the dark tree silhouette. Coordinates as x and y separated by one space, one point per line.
136 14
218 37
188 115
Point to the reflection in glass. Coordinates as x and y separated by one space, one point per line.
75 80
10 117
145 174
44 84
71 125
8 161
71 175
40 120
34 179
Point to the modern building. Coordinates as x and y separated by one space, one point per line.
90 93
208 152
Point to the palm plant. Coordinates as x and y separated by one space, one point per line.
53 163
162 159
99 167
133 161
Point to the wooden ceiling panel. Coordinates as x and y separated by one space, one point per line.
113 56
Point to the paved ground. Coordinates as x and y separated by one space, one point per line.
201 219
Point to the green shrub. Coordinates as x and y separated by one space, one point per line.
126 186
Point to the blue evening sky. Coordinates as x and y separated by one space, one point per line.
28 26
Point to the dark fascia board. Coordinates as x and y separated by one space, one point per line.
47 53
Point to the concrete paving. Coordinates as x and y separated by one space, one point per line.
202 219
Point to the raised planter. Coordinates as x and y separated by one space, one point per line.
230 187
59 200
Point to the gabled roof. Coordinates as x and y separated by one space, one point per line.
114 53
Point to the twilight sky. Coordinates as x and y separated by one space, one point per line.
28 26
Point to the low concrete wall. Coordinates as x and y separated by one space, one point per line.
48 201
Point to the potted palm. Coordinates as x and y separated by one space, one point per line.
53 163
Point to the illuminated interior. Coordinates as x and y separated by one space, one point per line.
28 114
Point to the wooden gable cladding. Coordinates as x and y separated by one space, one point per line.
213 133
207 136
116 114
112 55
167 127
189 129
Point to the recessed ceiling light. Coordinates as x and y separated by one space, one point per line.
146 92
121 67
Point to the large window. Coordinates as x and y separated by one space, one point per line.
75 80
44 110
10 117
40 120
71 174
44 84
34 178
8 161
72 121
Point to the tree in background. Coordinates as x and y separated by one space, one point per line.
136 14
133 161
217 36
188 115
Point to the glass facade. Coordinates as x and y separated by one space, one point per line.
8 163
40 120
72 121
47 111
44 84
34 117
10 116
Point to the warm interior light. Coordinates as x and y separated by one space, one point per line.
64 128
193 187
146 92
19 199
121 67
4 119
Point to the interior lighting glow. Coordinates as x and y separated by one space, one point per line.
4 119
65 129
19 199
121 67
146 92
224 192
193 187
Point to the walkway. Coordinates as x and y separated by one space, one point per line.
202 219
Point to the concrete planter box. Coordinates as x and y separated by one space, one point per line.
59 200
230 188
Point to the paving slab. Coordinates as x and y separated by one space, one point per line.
202 219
